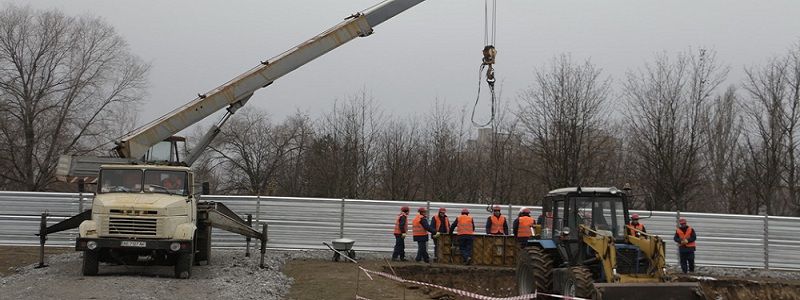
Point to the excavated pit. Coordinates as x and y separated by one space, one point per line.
501 282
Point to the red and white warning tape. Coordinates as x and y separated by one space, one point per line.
461 292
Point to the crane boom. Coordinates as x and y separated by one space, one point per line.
238 90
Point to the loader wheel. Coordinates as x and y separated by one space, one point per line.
578 283
534 270
183 265
91 262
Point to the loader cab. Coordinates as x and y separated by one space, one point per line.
604 210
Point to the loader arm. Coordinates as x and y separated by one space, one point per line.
603 246
653 248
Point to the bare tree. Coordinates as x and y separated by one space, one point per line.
666 104
562 115
792 126
401 160
253 151
773 137
61 78
722 131
346 149
448 175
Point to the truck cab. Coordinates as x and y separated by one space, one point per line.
141 215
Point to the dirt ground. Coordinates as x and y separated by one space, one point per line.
301 275
324 279
13 257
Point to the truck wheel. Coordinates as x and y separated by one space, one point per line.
91 262
578 283
534 270
183 265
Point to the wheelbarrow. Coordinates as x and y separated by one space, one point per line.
344 246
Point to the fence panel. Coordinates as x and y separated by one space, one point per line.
304 223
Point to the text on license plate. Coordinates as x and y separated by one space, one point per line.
133 244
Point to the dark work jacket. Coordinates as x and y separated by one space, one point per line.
692 238
428 227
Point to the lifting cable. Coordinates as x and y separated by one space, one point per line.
487 63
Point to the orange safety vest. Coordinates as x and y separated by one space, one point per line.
525 224
631 228
465 225
397 229
685 236
417 226
497 224
437 223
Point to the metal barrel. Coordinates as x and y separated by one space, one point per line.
649 291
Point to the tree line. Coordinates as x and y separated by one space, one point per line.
675 129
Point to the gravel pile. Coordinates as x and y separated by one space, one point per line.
229 276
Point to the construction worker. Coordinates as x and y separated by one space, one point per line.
523 227
496 223
685 236
420 229
440 225
400 229
635 225
466 228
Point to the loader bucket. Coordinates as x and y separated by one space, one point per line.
649 291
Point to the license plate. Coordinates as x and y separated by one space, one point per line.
133 244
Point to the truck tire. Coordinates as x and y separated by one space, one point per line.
578 283
183 265
91 262
534 270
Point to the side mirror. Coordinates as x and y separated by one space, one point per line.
204 190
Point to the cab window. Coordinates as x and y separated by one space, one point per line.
164 181
120 181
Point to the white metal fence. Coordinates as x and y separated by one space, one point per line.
304 223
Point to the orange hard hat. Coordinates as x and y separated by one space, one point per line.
635 216
496 208
465 211
404 209
442 209
422 209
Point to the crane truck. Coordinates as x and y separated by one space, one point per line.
145 208
145 203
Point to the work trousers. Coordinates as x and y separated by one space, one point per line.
465 246
422 251
399 247
687 260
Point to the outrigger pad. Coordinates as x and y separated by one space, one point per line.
649 291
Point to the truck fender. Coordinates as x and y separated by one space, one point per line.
87 228
184 231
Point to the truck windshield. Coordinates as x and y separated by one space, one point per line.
163 181
120 181
603 214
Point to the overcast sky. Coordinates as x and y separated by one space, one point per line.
429 52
